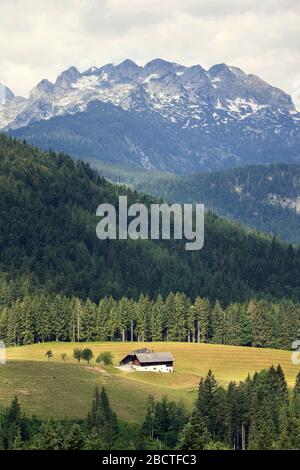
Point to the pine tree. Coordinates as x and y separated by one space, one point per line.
143 309
124 317
211 406
202 316
264 413
284 438
42 319
156 320
88 321
77 309
194 435
282 387
246 338
75 438
14 427
148 425
260 326
218 324
169 312
113 321
102 319
178 320
296 397
233 327
102 420
13 325
233 416
190 324
18 443
50 437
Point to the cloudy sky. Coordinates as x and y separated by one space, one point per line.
40 38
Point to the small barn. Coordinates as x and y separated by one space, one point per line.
145 360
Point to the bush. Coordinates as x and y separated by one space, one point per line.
106 358
49 354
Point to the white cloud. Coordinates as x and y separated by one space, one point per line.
40 38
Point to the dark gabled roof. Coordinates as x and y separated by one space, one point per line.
145 358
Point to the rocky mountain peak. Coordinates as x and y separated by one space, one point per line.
127 70
44 87
161 67
5 94
66 78
222 108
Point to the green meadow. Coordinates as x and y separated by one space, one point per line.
58 389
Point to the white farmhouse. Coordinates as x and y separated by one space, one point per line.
144 360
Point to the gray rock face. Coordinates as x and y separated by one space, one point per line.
66 79
43 88
5 94
225 117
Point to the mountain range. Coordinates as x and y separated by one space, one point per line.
163 116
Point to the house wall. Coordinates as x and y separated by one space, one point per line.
153 368
136 362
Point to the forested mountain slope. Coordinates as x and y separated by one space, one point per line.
265 197
47 238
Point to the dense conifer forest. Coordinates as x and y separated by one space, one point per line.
48 242
264 197
58 282
43 318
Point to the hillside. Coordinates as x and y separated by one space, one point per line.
107 134
163 116
52 389
264 197
48 240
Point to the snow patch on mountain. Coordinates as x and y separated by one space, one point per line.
219 104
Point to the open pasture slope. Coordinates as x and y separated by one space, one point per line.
57 389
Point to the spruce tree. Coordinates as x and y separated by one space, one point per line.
202 317
218 316
232 324
194 435
211 406
75 438
102 421
156 319
148 425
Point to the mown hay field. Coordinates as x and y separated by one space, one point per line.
60 389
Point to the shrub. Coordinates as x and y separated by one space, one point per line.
105 357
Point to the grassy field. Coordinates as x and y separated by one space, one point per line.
57 389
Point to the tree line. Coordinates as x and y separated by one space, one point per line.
256 414
43 318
